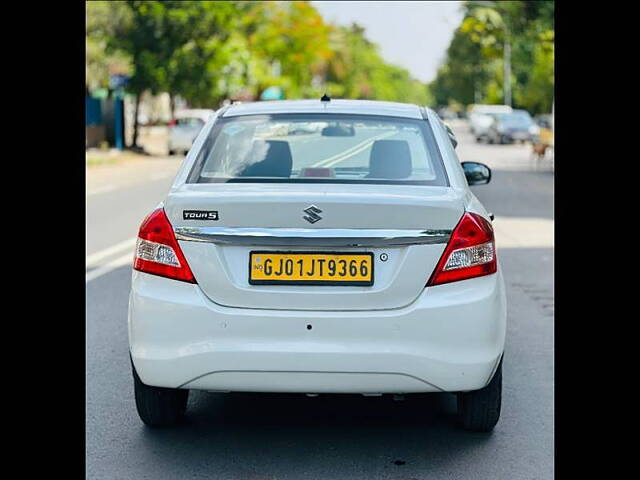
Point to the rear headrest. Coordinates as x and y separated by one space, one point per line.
390 159
276 159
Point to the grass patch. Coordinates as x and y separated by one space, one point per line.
93 161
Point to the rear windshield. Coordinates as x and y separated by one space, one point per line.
516 119
320 148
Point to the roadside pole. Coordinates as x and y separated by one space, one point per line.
507 72
118 113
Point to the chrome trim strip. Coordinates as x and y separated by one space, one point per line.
312 237
214 372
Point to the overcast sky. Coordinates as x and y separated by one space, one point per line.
414 35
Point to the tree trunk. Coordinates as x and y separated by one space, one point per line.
134 143
172 106
507 73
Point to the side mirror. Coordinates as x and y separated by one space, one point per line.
476 173
452 137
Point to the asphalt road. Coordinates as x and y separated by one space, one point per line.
259 436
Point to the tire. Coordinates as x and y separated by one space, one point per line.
159 407
479 410
172 152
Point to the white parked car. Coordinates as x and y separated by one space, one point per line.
184 128
481 118
354 261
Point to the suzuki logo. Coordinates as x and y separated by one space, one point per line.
313 212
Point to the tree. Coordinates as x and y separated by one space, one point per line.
207 51
476 55
293 35
357 70
101 19
194 48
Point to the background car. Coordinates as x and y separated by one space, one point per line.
184 128
446 113
303 128
511 127
480 118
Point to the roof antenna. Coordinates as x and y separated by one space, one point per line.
325 98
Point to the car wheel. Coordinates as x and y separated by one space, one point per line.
479 410
172 152
159 406
478 139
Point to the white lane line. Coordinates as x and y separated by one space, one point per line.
94 258
112 265
355 152
327 162
321 163
361 149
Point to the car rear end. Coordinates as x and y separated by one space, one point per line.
517 126
481 119
184 128
353 259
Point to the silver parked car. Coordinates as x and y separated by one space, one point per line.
517 126
185 128
480 118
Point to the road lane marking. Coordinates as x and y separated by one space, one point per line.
321 163
355 152
108 267
348 151
95 258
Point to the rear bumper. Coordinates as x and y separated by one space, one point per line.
512 137
449 339
181 141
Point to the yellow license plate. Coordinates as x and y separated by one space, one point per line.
310 268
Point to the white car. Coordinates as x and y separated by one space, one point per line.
354 261
481 118
184 128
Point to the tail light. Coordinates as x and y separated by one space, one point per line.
157 250
470 252
173 122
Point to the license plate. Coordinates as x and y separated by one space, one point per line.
311 268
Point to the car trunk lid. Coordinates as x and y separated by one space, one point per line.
405 228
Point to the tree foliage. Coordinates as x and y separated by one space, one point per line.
206 52
473 71
358 71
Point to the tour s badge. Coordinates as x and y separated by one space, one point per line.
200 215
